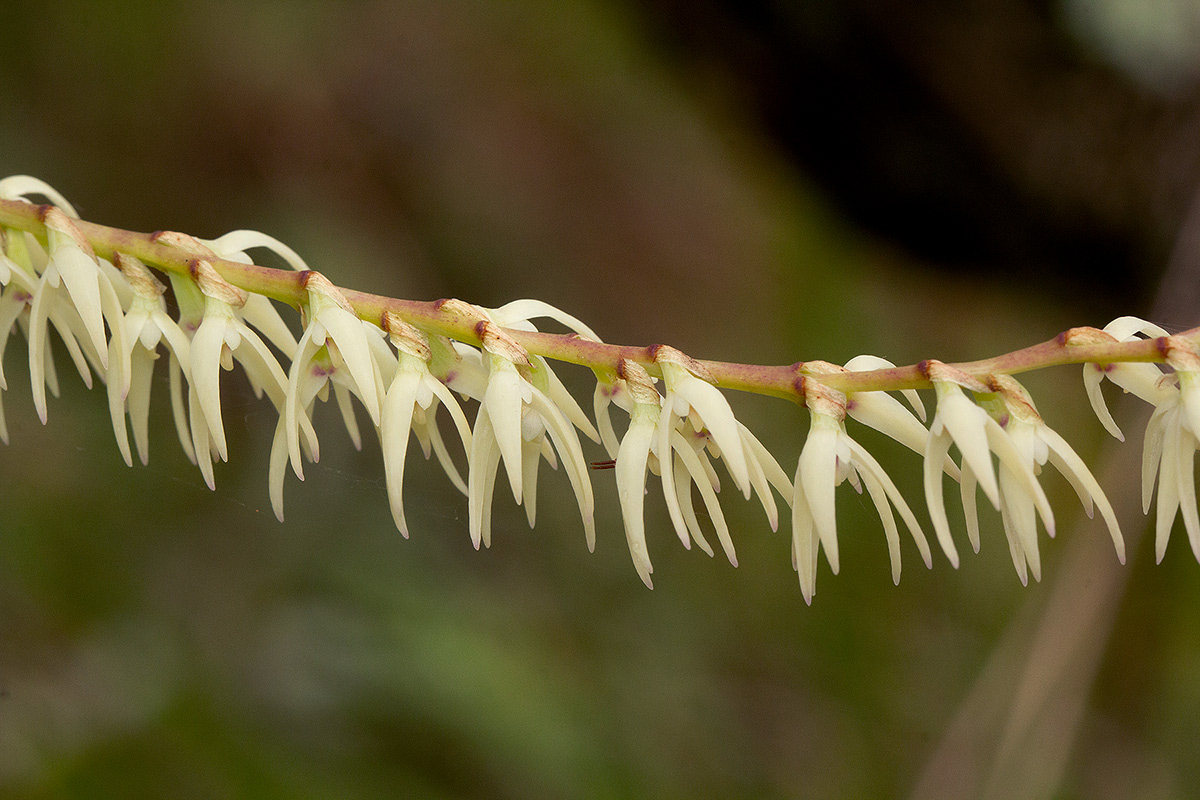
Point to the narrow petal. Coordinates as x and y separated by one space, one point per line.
818 471
935 454
1186 479
804 543
1068 462
867 362
117 379
206 349
888 415
395 426
1015 550
200 439
771 469
666 466
293 408
567 442
502 402
632 457
277 470
683 497
1152 453
342 396
967 487
868 465
140 380
761 487
1093 376
692 464
480 476
242 240
1168 496
179 409
1020 516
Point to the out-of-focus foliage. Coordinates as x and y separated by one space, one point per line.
157 639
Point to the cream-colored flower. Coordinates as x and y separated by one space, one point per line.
829 457
1141 380
696 419
409 406
632 459
336 349
511 426
77 296
1170 447
220 339
16 294
1013 409
132 355
963 423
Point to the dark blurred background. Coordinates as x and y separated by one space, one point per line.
756 181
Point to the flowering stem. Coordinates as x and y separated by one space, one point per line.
438 317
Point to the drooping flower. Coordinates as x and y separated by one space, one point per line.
75 295
963 423
336 349
409 406
631 461
829 457
1141 380
145 326
513 419
1170 446
518 315
695 417
220 339
16 293
1012 408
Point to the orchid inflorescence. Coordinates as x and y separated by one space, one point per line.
404 361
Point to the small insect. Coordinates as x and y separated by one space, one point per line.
608 464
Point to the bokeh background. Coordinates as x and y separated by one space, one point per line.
757 181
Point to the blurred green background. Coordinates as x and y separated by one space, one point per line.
760 181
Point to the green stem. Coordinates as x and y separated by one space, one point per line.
436 317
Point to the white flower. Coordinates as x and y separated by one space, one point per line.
144 327
632 458
961 422
220 339
1170 447
77 296
517 315
1171 435
16 293
514 417
828 458
1141 380
409 406
334 348
696 421
1013 410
